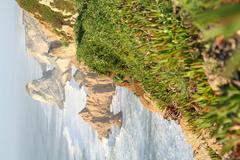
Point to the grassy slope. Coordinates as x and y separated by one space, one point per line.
33 6
45 13
145 41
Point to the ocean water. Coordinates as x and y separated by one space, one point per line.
143 136
35 131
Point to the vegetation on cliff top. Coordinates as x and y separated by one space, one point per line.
150 42
143 42
153 43
54 18
33 6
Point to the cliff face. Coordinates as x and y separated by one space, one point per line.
49 88
59 65
100 91
57 61
66 136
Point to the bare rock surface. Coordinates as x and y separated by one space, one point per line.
50 88
100 91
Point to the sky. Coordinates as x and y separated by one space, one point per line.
8 115
18 114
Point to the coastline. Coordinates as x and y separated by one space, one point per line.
70 57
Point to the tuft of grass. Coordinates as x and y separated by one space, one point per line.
223 119
213 154
65 5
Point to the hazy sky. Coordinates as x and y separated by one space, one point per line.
18 113
8 29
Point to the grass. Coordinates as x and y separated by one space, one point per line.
45 13
33 6
144 41
213 155
223 118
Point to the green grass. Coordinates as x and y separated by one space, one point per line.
223 119
213 155
226 118
33 6
46 14
145 41
130 40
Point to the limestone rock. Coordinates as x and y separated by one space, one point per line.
56 62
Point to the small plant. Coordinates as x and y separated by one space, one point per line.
213 154
65 5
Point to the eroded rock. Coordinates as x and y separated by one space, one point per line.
100 91
56 62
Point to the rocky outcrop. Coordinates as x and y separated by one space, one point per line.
56 61
56 71
100 91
